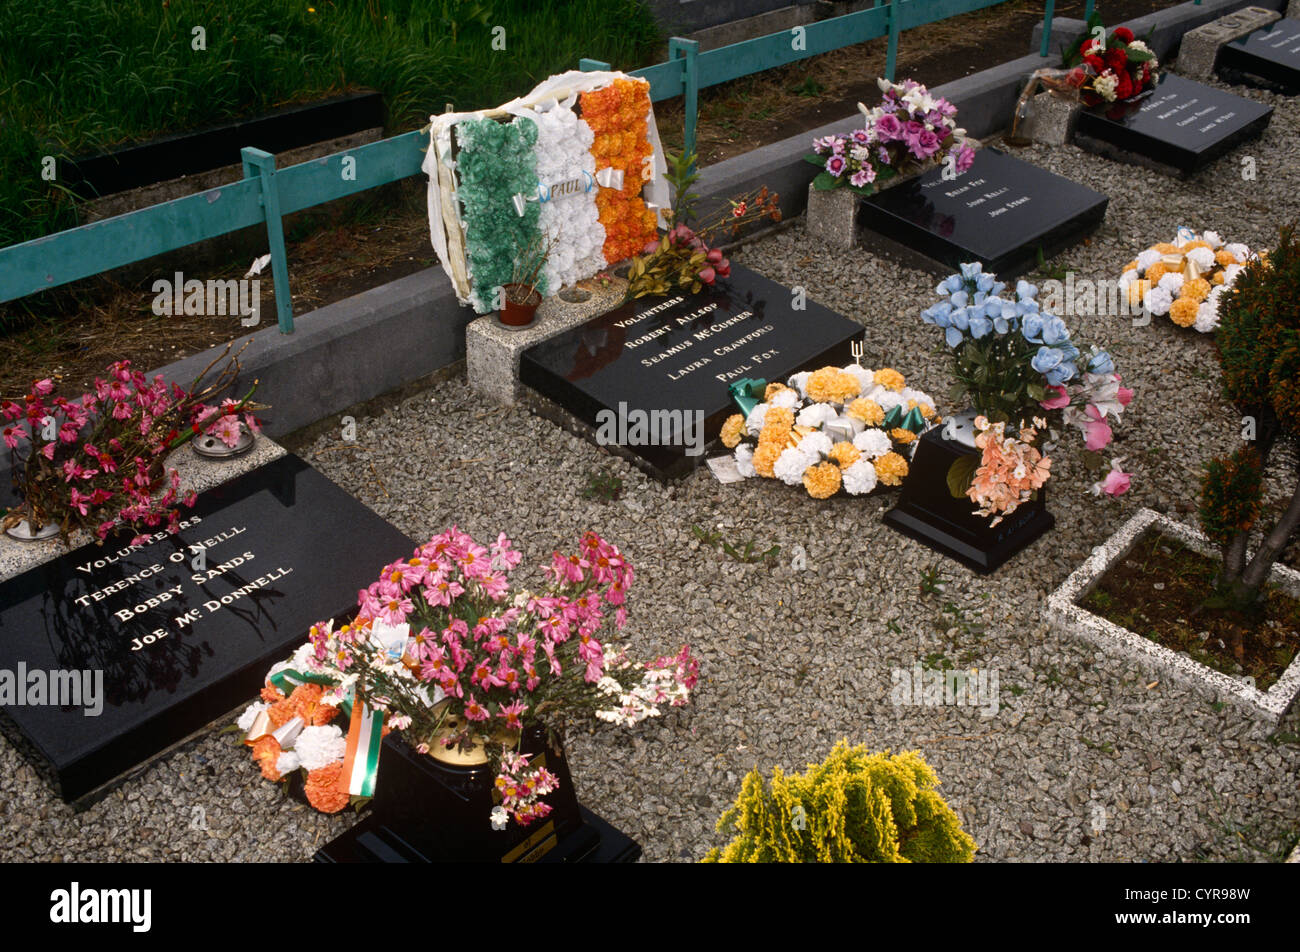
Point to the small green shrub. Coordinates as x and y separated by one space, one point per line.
854 807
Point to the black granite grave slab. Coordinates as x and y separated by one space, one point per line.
1180 126
1269 58
175 648
678 355
927 511
1001 212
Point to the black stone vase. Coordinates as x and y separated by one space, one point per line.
425 810
927 511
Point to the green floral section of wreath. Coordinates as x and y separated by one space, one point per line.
495 163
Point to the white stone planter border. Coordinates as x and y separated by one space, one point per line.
1066 616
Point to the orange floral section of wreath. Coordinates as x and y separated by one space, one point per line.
617 115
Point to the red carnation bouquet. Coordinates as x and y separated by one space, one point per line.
1110 68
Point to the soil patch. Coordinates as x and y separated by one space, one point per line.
1159 591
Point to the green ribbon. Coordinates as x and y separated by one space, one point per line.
365 771
911 420
288 679
748 394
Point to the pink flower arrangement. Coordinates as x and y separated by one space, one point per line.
1088 402
1011 469
908 132
226 422
96 462
440 640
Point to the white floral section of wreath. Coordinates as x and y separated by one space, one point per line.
570 222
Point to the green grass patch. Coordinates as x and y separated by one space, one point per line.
80 76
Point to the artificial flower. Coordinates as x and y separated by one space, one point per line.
890 469
822 480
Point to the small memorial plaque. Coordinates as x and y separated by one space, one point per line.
1180 126
111 654
1001 212
1269 58
653 376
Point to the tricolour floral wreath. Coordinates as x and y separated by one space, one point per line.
833 428
575 166
1185 278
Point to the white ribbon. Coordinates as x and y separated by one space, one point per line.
610 178
287 734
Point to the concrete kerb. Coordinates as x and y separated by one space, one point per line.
1200 47
376 342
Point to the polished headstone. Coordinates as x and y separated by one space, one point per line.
678 355
1268 58
1002 212
177 647
1180 125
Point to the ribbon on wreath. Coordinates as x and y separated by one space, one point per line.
365 723
605 178
911 420
748 393
361 761
365 732
541 194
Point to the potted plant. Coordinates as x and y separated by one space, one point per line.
853 807
521 295
1019 368
97 462
471 673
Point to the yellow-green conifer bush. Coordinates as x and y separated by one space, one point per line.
854 807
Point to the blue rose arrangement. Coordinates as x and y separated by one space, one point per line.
1017 365
1007 351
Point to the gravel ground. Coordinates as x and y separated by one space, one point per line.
1085 758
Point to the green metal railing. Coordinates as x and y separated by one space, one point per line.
266 193
263 196
688 70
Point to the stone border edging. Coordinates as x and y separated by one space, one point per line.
1067 617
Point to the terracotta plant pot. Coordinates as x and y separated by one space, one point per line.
516 314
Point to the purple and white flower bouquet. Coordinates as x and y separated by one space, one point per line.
909 132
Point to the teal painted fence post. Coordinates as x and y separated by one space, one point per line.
588 65
1047 27
687 51
891 56
261 165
